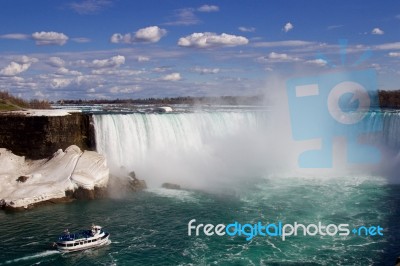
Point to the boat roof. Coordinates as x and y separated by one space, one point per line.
76 236
67 236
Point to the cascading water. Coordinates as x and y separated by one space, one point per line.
182 146
128 139
171 144
391 129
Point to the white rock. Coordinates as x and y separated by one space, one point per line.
91 170
49 179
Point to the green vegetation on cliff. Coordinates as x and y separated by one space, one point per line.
8 102
7 106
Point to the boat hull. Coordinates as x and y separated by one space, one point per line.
82 244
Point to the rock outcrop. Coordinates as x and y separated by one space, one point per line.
67 174
121 184
135 183
38 135
170 186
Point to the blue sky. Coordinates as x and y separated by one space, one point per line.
137 49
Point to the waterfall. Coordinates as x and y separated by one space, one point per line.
391 129
143 141
216 144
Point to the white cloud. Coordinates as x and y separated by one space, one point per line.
277 58
172 77
60 64
247 29
388 46
14 69
89 6
114 61
209 39
125 89
274 55
18 66
56 61
119 38
288 27
394 54
15 36
65 71
44 38
205 70
377 31
143 58
318 62
60 83
49 38
150 34
208 8
26 60
91 90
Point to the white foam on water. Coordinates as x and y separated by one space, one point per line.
182 195
30 244
35 256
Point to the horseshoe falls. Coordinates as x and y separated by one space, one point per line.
201 148
234 167
191 149
127 140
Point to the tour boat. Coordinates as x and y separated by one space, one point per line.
95 237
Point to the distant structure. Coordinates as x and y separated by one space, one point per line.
163 109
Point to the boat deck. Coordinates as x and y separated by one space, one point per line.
76 236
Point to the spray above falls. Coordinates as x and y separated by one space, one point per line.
202 149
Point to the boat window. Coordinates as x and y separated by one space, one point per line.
61 245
